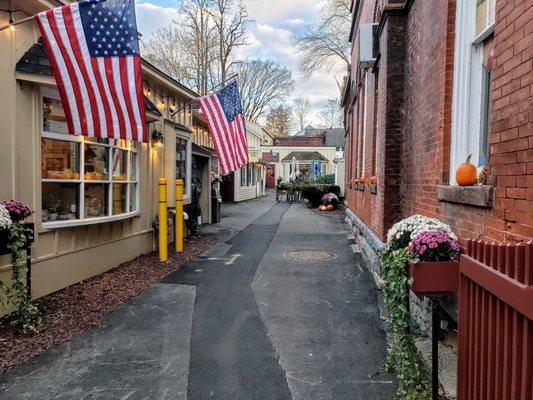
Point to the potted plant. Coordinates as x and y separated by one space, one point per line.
434 264
330 201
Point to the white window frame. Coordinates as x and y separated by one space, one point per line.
82 220
188 165
467 109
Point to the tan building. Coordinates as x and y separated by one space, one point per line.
94 199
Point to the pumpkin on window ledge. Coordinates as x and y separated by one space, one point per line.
362 180
466 174
373 180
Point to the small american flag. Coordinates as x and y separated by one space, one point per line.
225 119
94 55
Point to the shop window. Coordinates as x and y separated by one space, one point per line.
78 172
471 90
182 160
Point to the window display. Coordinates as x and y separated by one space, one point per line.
96 162
96 200
120 165
78 172
60 201
59 159
54 119
119 198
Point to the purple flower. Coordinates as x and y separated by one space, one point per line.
17 210
434 246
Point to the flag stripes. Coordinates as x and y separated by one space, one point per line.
101 95
229 137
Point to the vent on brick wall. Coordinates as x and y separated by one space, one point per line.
368 46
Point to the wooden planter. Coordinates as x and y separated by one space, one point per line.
433 278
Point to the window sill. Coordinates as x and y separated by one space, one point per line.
478 196
87 221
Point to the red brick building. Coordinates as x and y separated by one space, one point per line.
438 83
431 82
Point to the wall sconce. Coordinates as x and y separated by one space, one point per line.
158 139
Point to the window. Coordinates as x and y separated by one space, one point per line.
182 161
375 123
249 174
471 83
83 179
243 175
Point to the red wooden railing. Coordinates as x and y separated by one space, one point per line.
495 357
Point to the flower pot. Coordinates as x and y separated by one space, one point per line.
433 278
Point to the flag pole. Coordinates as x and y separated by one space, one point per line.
232 77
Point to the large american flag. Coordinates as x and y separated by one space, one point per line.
223 110
94 54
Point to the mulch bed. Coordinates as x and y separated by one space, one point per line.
71 311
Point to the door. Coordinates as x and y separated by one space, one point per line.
227 188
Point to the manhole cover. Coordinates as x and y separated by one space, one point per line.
309 255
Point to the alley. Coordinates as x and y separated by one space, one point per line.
280 309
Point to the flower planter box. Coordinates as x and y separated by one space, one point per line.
373 189
361 187
433 278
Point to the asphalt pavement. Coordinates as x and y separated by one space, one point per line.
279 309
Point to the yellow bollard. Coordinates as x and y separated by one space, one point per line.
179 216
163 220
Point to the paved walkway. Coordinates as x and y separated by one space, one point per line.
242 322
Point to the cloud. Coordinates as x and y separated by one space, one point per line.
271 35
274 11
151 16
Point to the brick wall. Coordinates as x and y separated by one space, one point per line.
511 135
414 123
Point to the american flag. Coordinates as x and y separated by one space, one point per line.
225 119
94 54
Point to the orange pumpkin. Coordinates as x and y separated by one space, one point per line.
362 180
330 207
466 174
373 180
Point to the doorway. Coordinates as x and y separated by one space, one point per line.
227 188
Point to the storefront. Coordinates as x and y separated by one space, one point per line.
94 200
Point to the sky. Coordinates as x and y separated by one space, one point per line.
271 35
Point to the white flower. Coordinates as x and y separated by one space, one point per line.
5 219
416 224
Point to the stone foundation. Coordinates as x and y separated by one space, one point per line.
371 248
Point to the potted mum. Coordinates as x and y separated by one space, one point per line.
434 264
330 201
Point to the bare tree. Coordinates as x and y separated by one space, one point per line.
279 120
161 50
186 49
331 114
325 46
262 84
230 21
301 107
